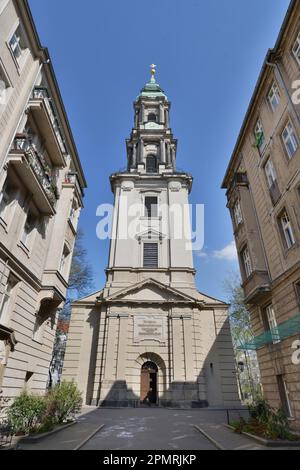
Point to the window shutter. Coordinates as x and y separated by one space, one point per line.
150 255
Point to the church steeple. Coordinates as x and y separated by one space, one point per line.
151 147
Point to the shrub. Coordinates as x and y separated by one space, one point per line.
265 421
260 410
26 413
37 414
64 400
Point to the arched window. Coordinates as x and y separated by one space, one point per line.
152 117
151 164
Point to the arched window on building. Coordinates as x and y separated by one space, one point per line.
151 164
152 117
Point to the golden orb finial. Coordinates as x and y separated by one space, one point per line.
153 69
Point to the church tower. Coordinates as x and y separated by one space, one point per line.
149 337
153 191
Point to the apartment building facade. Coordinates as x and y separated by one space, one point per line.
41 195
263 191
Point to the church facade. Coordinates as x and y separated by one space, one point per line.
149 337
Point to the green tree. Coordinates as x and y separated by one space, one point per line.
239 313
242 334
80 284
81 276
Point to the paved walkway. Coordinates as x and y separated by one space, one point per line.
146 429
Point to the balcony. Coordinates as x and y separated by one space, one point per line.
239 179
72 178
34 174
45 117
256 287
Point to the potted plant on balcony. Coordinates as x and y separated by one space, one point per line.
54 188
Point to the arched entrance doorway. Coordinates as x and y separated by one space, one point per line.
149 389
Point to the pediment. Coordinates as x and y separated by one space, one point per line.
150 234
150 291
90 299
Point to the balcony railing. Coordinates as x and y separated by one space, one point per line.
283 331
238 179
36 162
41 93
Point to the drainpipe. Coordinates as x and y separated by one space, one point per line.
279 75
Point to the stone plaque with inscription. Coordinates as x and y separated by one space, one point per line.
150 328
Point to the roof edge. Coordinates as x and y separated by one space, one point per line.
287 17
24 7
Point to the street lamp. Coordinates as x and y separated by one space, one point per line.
239 369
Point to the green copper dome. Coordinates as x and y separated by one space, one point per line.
152 89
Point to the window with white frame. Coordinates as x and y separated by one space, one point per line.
38 330
4 86
247 262
272 324
259 134
6 300
237 211
28 229
151 206
270 173
150 255
64 261
17 44
7 198
287 230
296 49
285 396
290 140
73 211
274 96
3 356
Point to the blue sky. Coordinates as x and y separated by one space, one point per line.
209 54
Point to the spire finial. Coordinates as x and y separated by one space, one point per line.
153 72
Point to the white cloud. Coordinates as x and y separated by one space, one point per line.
228 253
201 254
